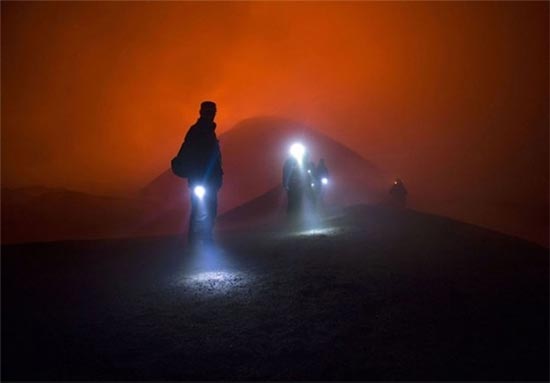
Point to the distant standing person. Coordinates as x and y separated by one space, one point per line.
398 194
310 190
321 173
200 161
296 181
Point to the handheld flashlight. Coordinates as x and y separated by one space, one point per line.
199 191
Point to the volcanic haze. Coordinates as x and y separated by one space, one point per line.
450 96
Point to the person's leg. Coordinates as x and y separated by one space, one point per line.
199 215
202 216
300 202
312 200
192 231
321 200
211 212
293 202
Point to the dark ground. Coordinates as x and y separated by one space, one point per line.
375 295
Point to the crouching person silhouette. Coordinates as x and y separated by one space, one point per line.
199 160
398 194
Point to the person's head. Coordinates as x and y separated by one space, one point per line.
322 161
208 110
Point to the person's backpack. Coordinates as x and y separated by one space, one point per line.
181 163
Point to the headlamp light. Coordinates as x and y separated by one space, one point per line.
297 150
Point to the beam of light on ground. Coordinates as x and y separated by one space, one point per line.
216 282
317 231
209 270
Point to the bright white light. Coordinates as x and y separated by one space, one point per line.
309 171
318 231
215 276
297 150
216 282
312 185
324 180
199 191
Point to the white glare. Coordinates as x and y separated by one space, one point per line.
297 150
324 180
199 191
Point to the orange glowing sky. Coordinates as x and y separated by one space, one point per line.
97 96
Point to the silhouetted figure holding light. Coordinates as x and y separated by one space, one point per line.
199 160
297 180
310 191
398 194
321 175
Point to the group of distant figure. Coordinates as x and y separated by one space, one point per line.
304 182
199 160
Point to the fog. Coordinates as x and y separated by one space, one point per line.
451 97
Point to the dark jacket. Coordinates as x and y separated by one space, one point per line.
202 147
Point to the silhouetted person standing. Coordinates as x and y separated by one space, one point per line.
310 183
200 152
296 180
398 194
322 171
293 182
321 175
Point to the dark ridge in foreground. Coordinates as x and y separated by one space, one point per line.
366 294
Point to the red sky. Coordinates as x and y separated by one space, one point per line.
97 96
